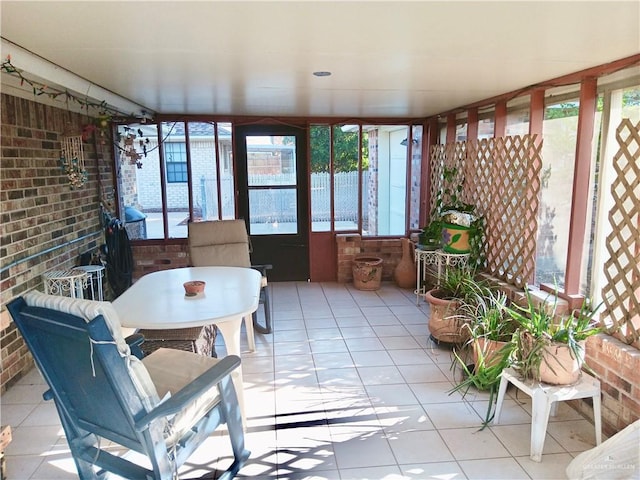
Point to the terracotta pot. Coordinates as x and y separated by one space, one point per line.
559 366
445 323
193 287
367 272
489 350
405 272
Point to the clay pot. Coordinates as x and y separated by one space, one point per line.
405 272
445 323
489 350
559 365
367 272
193 287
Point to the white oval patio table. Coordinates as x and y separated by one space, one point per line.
158 301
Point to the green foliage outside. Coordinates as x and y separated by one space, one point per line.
345 149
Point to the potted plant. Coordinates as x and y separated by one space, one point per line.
550 348
446 322
430 237
491 331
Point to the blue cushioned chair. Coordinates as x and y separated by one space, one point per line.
163 406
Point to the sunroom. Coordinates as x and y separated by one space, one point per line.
327 127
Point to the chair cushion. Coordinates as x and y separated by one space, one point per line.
171 370
221 242
229 255
88 310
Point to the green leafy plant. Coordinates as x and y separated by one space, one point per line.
539 326
487 324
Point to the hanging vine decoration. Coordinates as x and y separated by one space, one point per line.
104 110
129 141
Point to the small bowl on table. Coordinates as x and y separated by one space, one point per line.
193 288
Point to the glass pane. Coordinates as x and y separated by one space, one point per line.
204 174
271 160
559 131
416 170
461 132
173 143
320 178
486 127
586 271
518 116
273 211
139 182
227 181
384 180
346 144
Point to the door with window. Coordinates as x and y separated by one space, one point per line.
272 189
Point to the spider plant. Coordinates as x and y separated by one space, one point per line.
538 326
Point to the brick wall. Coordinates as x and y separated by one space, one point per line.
151 258
618 367
45 224
350 245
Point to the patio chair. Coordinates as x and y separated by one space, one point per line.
226 243
163 406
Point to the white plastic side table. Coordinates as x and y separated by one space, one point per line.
543 400
67 283
95 275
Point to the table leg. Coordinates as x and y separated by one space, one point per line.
504 383
230 332
251 339
597 419
540 410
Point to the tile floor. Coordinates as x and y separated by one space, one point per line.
348 386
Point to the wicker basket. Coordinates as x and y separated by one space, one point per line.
196 339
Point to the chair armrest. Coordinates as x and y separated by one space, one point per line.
262 268
135 341
191 392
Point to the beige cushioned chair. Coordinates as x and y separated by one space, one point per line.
226 243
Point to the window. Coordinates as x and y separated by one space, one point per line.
175 157
360 175
559 131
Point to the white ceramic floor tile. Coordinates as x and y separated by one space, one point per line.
517 439
383 375
386 395
349 386
419 447
364 331
452 415
421 373
371 359
415 356
552 466
390 472
328 346
472 443
496 469
435 392
324 361
574 436
366 450
433 471
406 418
399 343
391 331
363 344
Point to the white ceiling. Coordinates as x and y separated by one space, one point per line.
387 58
